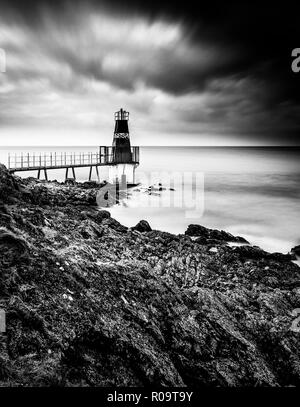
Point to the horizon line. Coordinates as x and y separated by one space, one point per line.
163 146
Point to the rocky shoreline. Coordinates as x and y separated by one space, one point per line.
90 302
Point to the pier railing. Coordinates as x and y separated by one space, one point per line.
28 162
51 160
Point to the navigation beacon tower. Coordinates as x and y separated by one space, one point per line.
124 157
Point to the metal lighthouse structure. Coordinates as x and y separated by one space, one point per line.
121 158
125 158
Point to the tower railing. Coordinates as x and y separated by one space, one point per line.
121 115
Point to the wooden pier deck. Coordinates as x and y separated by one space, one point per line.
69 161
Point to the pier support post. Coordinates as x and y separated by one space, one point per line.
97 172
134 168
67 173
45 173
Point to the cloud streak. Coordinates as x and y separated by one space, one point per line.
72 67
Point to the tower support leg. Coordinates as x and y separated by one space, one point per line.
133 177
39 174
67 173
46 176
73 171
90 175
97 171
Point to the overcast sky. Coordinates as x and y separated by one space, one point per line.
217 74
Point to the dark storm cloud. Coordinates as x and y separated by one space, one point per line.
248 36
173 69
225 67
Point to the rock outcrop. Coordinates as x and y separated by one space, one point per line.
90 302
211 236
296 250
142 226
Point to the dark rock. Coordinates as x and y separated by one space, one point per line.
215 242
89 185
89 303
3 209
296 250
197 230
5 217
97 215
70 181
8 185
214 235
207 241
101 215
26 195
88 230
281 257
13 249
142 226
251 252
115 225
201 240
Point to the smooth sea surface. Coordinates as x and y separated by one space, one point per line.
247 191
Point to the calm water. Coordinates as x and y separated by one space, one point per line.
253 192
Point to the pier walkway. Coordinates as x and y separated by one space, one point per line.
69 161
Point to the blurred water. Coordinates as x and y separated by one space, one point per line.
253 192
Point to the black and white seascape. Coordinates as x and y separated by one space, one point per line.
149 196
